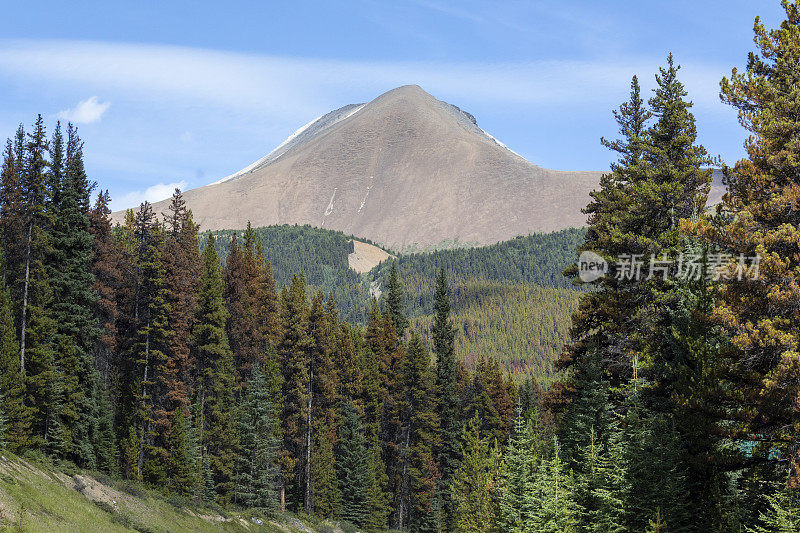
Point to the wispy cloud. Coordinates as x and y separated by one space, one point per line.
269 84
86 112
154 193
180 109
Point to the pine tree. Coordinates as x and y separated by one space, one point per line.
378 503
181 273
394 301
293 350
12 386
267 296
323 376
759 218
148 338
323 330
325 492
181 469
489 396
243 294
448 404
12 220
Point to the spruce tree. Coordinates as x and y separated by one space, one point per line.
415 505
257 468
448 405
216 379
394 301
74 299
475 496
600 488
518 468
353 459
782 513
549 500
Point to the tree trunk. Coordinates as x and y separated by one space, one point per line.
23 320
403 483
140 462
308 443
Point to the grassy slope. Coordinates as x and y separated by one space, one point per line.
39 498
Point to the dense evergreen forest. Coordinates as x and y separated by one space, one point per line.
537 259
511 301
321 255
523 327
129 351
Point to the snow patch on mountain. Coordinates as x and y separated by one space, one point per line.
300 136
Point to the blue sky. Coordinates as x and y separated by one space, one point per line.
184 93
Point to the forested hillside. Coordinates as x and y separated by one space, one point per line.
511 299
522 326
321 255
538 259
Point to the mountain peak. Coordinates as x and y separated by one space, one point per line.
405 170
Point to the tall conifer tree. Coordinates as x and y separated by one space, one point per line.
448 403
216 378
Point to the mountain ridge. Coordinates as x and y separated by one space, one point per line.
406 171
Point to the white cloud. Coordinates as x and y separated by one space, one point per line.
154 193
86 112
278 85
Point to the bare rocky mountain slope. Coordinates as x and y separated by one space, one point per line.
404 170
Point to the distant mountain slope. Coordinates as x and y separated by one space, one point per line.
405 170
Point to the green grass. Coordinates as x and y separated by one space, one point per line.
34 497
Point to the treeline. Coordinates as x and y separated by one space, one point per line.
321 255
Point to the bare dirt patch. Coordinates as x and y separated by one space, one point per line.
365 257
